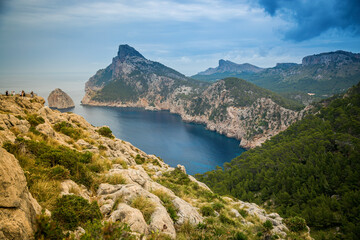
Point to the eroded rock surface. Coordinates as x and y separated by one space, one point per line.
60 100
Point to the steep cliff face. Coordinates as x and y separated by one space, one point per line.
232 106
60 100
226 66
127 184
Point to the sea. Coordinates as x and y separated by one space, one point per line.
155 132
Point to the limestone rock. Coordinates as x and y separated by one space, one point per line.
69 187
186 212
60 100
17 207
132 216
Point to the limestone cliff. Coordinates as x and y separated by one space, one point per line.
60 100
129 185
231 106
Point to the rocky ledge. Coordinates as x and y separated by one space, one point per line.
156 201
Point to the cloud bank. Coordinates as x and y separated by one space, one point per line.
312 18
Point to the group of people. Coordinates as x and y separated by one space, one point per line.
21 93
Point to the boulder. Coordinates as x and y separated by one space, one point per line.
60 100
18 208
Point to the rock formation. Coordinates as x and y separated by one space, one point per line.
60 100
18 208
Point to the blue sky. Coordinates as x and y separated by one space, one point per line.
69 40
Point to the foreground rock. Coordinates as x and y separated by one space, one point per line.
18 208
60 100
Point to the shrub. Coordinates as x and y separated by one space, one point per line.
34 119
296 224
68 129
145 206
217 206
268 226
106 230
226 220
102 147
239 236
139 159
106 132
59 172
207 211
72 211
178 177
114 179
47 229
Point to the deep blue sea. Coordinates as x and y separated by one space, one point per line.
155 132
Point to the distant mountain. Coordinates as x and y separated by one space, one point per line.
323 74
231 106
227 69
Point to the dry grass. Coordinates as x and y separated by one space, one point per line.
45 192
145 206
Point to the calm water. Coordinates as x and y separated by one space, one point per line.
160 133
166 135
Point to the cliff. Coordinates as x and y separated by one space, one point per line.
75 169
231 106
60 100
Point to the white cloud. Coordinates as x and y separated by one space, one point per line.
80 12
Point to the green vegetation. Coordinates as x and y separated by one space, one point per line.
72 211
107 230
310 170
106 132
296 224
68 129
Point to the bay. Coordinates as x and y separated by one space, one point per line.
155 132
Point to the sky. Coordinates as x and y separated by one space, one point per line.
67 41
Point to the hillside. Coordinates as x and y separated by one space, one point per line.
312 169
62 177
324 74
231 106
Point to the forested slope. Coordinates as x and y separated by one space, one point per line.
312 170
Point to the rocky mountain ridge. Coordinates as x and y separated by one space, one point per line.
231 67
323 74
231 106
119 178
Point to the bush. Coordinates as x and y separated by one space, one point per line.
59 172
268 226
239 236
139 159
178 177
218 206
72 211
106 132
106 230
226 220
47 229
296 224
68 129
34 120
207 211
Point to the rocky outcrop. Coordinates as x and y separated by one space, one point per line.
338 57
18 208
60 100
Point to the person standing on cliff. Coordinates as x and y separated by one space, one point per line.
7 93
32 94
23 93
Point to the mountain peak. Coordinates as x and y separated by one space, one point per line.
127 51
